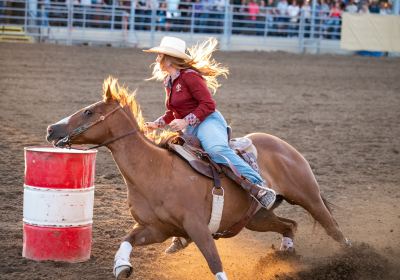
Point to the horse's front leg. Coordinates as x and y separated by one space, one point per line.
202 237
140 235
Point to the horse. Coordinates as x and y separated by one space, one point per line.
167 198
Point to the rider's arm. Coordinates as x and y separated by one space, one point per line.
199 90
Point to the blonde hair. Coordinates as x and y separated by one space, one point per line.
124 98
201 61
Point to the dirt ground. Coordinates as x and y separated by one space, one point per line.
341 112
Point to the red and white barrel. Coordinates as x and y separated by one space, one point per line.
58 204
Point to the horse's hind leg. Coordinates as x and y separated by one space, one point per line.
265 220
140 235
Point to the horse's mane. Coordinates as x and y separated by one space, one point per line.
124 98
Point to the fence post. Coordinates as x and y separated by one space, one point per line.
225 35
113 15
153 23
72 14
313 12
132 17
301 32
266 22
396 7
26 15
41 25
69 42
192 18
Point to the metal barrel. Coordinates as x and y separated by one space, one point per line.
58 204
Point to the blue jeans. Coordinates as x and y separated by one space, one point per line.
213 136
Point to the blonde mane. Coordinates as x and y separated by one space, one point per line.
124 98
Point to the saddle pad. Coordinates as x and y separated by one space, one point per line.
197 164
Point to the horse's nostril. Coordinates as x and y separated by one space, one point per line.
49 130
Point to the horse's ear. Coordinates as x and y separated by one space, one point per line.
108 94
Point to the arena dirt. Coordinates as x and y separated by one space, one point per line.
341 112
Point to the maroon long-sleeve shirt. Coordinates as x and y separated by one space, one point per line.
187 97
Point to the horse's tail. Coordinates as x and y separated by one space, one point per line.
328 206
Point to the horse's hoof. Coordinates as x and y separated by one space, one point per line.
290 250
178 244
122 272
287 245
347 243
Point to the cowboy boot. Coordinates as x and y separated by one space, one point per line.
264 195
178 244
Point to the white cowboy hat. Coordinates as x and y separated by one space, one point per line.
171 46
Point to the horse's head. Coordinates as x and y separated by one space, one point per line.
97 123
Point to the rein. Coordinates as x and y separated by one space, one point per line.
66 141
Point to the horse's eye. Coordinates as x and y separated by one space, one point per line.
87 112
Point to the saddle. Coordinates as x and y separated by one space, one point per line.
188 147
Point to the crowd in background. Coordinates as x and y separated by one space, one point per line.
252 17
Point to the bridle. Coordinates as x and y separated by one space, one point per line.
66 141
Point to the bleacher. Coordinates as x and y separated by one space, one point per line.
14 34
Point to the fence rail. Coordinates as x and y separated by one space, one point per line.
38 17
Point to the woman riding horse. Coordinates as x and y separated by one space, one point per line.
191 108
176 201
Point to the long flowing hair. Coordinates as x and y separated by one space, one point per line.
121 94
201 61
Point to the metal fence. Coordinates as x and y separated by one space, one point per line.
42 16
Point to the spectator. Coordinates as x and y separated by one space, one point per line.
253 10
86 5
334 21
351 7
143 14
122 13
270 16
198 9
172 14
218 15
268 12
97 13
239 17
282 19
322 18
43 12
293 11
261 18
364 8
374 7
385 9
305 10
184 20
161 17
204 15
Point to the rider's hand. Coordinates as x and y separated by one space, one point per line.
150 126
178 124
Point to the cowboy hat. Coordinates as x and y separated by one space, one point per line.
171 46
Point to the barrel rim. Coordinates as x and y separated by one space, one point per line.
51 149
59 190
44 224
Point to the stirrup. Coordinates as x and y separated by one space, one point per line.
178 244
266 197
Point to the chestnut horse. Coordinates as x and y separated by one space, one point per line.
168 198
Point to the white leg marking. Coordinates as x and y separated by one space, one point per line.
221 276
121 260
287 244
